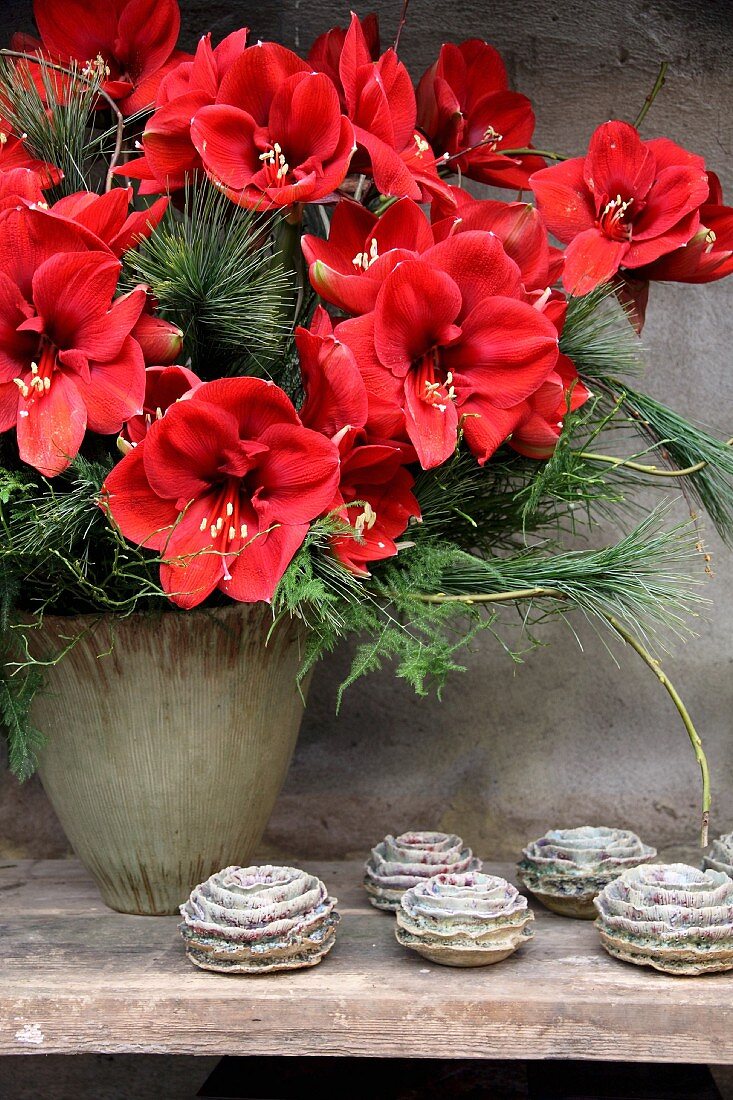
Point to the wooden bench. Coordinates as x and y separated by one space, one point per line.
76 977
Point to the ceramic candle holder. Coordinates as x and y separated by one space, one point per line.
720 856
567 868
674 918
399 862
468 919
251 920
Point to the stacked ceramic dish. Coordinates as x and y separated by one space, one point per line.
250 920
468 919
567 868
674 918
399 862
720 857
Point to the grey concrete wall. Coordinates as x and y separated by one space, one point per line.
568 737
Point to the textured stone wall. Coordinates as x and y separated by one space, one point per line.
568 737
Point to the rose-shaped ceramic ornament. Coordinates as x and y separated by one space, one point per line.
399 862
251 920
674 918
468 919
567 868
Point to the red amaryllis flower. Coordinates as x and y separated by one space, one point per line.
325 53
160 341
19 186
372 474
519 227
163 386
67 359
13 154
275 135
468 113
135 40
379 99
108 217
623 205
451 342
335 397
539 420
169 155
349 268
708 255
224 487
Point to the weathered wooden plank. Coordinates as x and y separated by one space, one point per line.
75 977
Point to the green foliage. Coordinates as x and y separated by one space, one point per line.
24 740
598 336
212 271
643 580
681 444
64 134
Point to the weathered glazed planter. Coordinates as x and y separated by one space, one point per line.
720 856
169 737
256 920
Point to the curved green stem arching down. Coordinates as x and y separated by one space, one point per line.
520 594
120 127
652 471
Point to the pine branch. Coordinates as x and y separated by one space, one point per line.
212 270
599 338
58 125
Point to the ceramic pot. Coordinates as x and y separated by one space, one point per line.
169 737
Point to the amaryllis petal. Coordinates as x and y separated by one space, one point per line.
591 259
224 138
141 515
73 29
335 395
147 32
259 566
563 198
115 389
192 565
618 161
479 266
416 310
51 426
306 118
70 292
254 403
182 460
485 427
298 474
430 425
253 80
507 350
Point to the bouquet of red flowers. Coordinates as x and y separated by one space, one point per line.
260 341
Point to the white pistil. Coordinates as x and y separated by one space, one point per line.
423 146
229 508
204 524
213 531
24 389
243 531
219 522
232 533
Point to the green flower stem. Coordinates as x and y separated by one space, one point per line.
120 127
653 471
527 152
658 85
628 637
684 715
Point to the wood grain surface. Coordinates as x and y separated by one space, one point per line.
76 977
